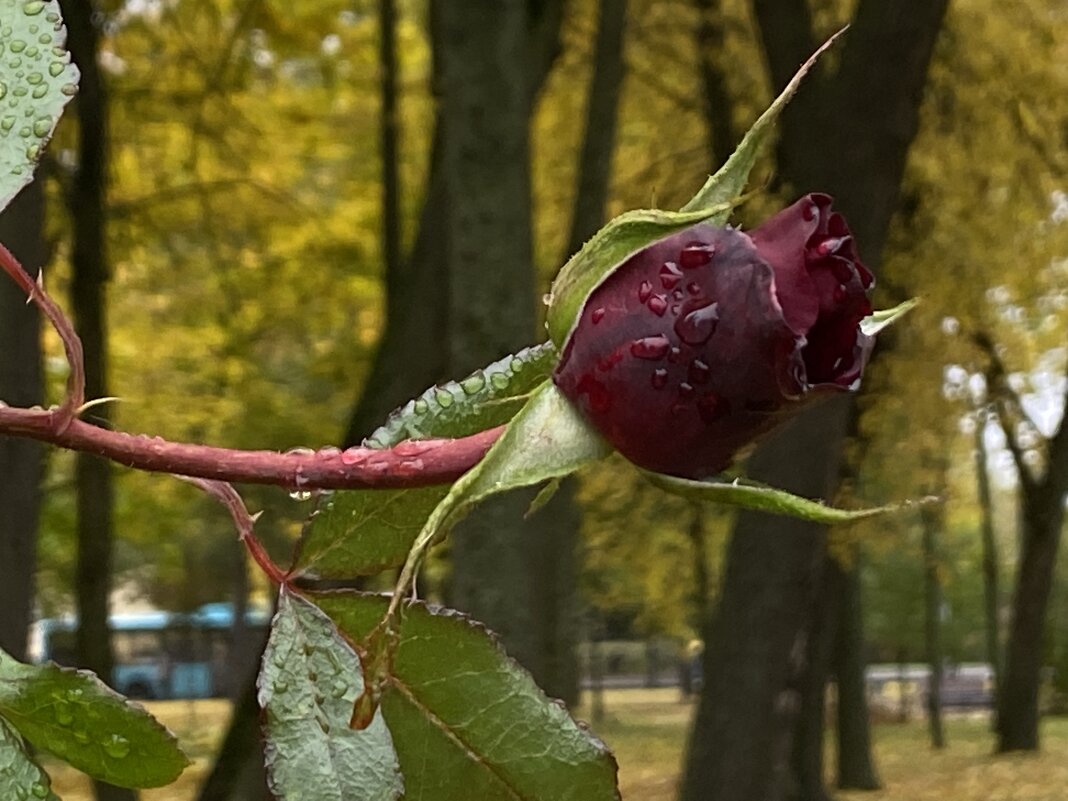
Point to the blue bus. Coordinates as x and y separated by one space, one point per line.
164 655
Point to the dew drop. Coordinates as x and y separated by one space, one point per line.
82 736
443 397
712 407
670 275
677 294
56 68
16 46
280 685
695 327
421 406
339 689
652 348
831 245
699 372
685 390
659 379
7 123
674 355
351 456
644 291
42 126
596 393
839 293
606 363
52 17
693 288
64 717
116 746
32 151
21 793
658 305
26 131
39 790
597 315
300 495
3 90
474 383
69 89
40 90
45 38
499 381
33 8
696 254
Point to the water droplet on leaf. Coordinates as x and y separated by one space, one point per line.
116 746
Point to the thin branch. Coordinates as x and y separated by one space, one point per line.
244 522
409 464
1006 405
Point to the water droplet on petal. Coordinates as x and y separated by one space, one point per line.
696 254
810 212
670 275
658 305
712 407
652 348
644 291
597 315
693 288
831 245
685 390
659 379
699 372
695 327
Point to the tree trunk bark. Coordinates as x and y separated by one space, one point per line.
848 135
991 600
89 276
856 768
1018 716
21 384
722 137
932 585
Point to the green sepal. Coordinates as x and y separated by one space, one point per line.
762 498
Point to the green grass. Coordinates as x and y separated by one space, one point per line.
647 729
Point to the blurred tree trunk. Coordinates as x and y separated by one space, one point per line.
517 575
847 134
856 768
933 522
21 384
89 276
991 600
1042 499
717 101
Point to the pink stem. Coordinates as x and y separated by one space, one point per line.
414 463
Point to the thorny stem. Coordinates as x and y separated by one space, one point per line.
243 522
409 464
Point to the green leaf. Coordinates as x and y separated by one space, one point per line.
753 495
20 777
310 680
547 439
37 79
467 721
878 320
487 398
363 532
730 180
611 246
75 716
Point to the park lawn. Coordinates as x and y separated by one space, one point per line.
647 730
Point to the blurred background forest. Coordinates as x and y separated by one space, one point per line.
274 222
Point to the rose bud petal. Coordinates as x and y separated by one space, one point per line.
708 338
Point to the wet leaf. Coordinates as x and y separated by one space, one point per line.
310 679
467 721
72 714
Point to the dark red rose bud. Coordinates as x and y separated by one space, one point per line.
710 337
